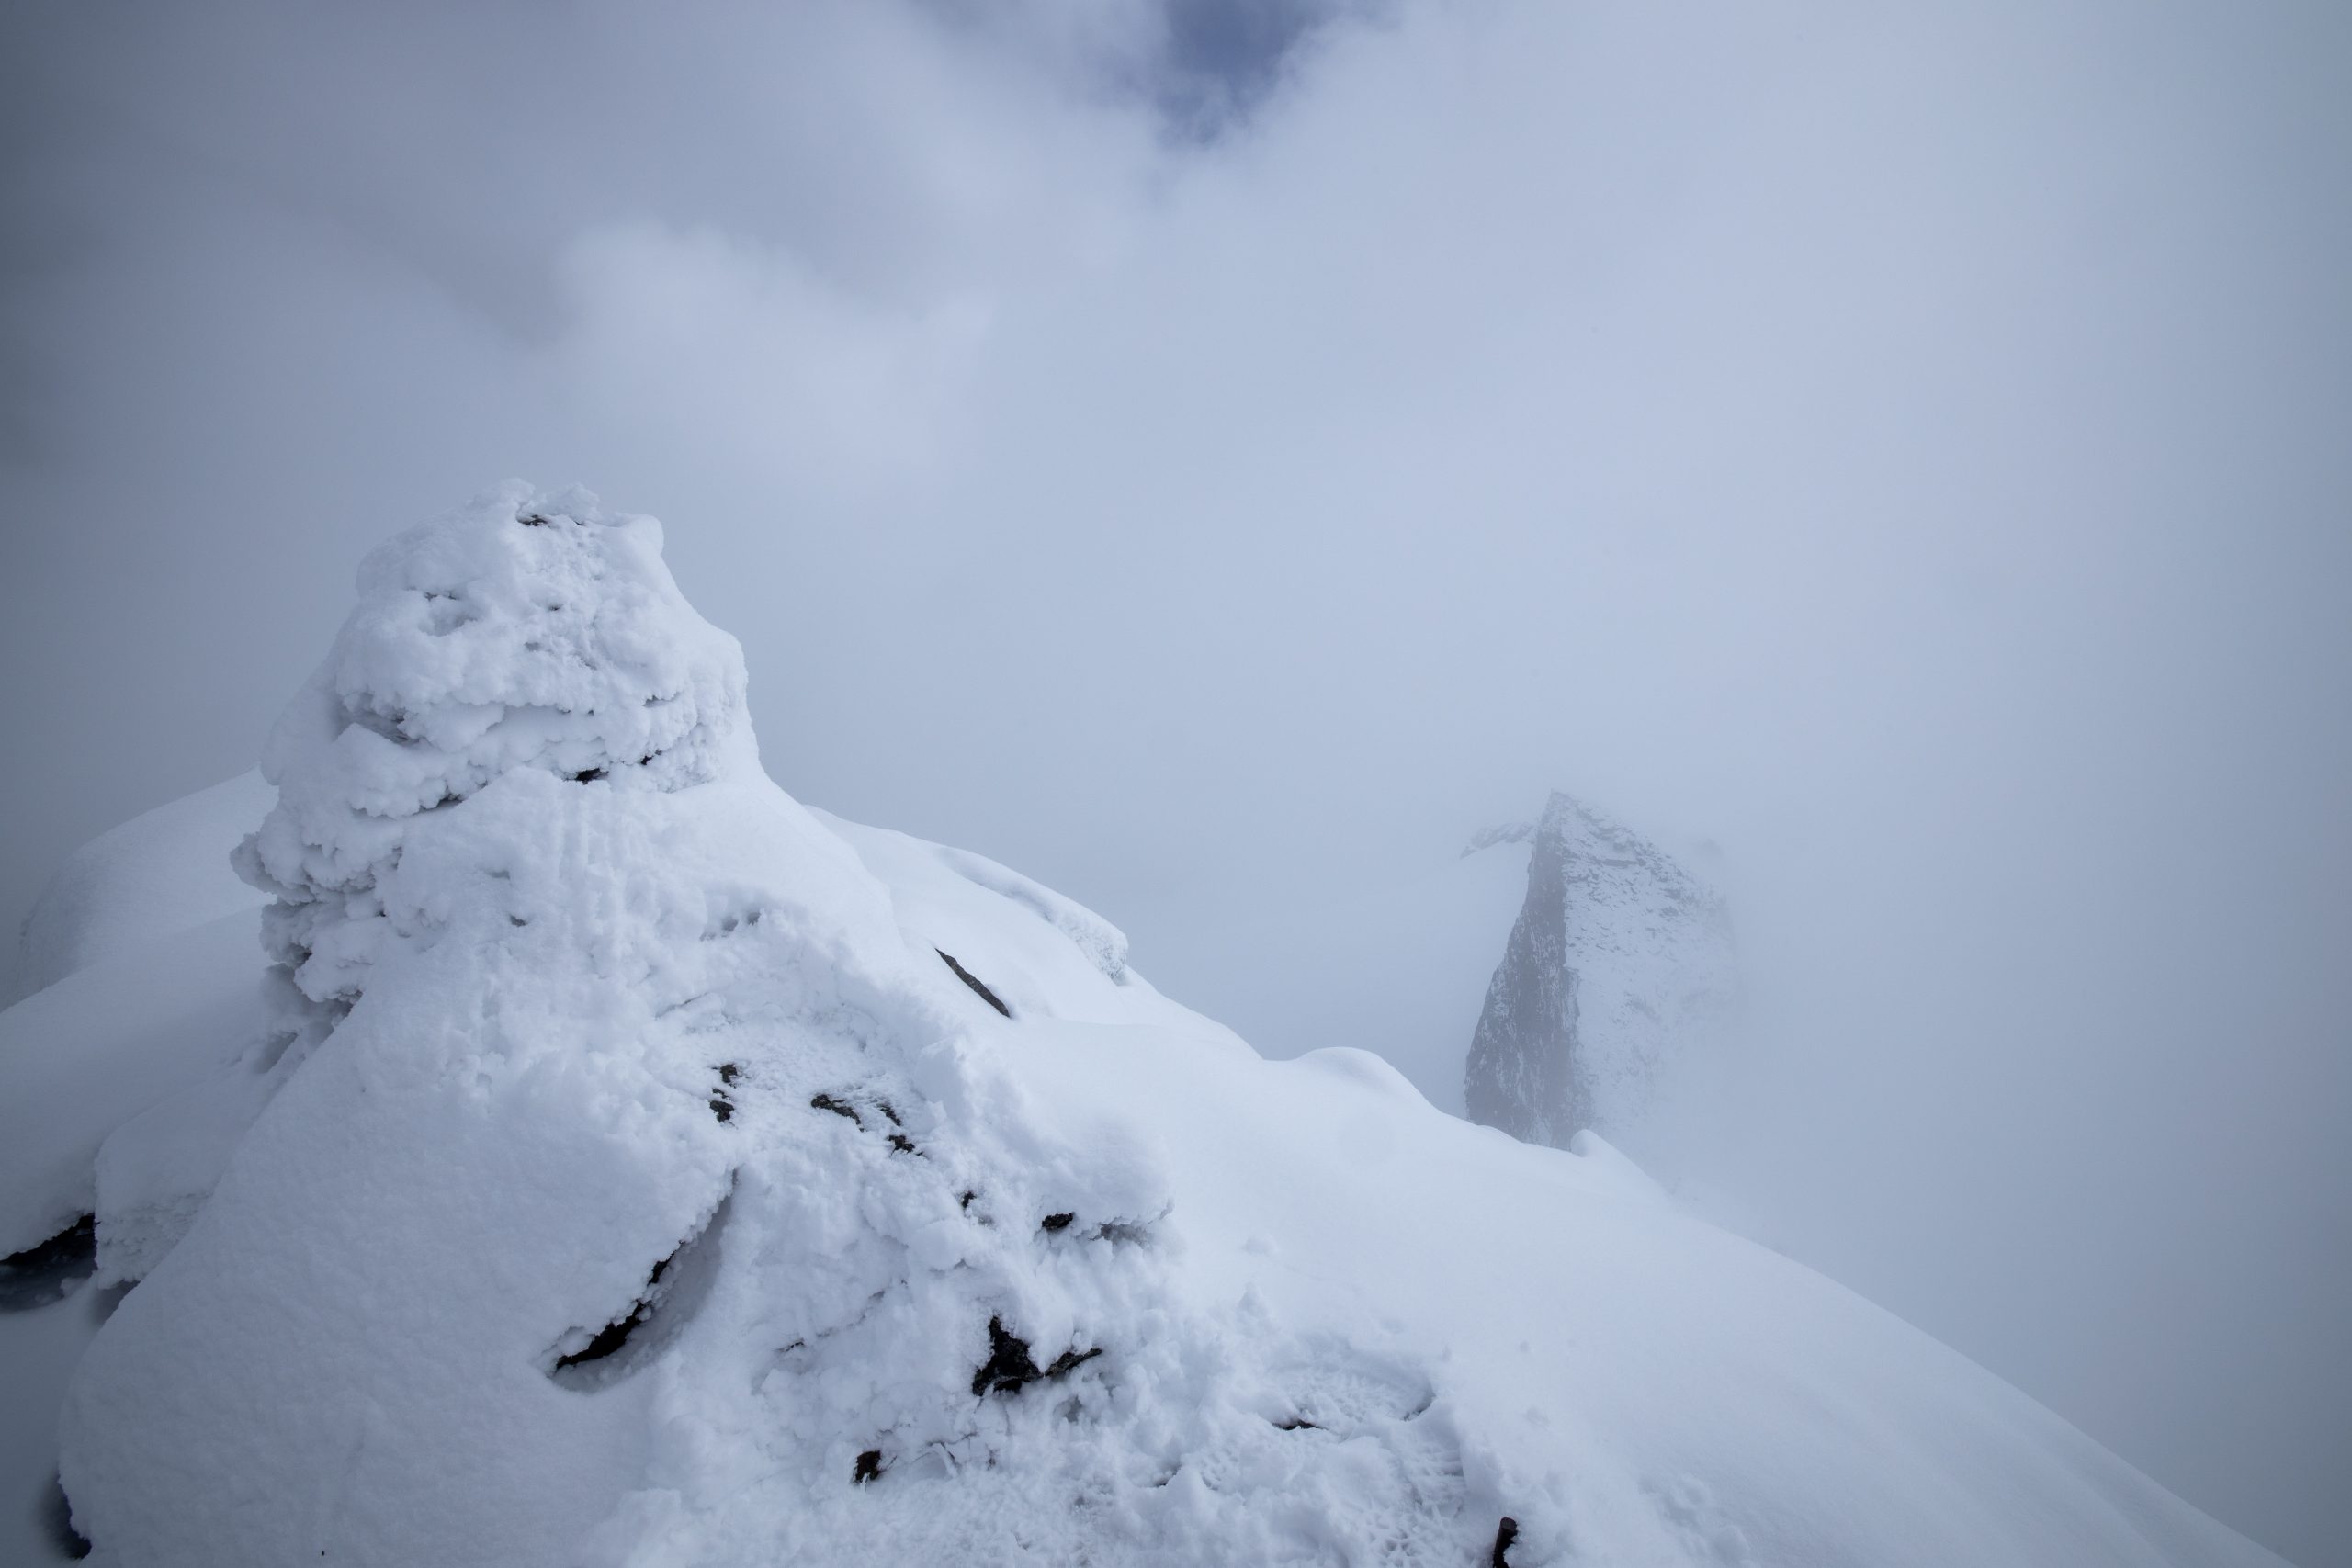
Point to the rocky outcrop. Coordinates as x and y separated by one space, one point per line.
1619 955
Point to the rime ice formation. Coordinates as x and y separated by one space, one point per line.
1618 954
632 1166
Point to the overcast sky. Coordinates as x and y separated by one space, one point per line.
1216 458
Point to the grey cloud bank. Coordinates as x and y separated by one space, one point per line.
1908 450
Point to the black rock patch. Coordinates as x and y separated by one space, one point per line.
674 1291
839 1108
1010 1368
973 981
842 1106
57 1523
614 1335
39 1275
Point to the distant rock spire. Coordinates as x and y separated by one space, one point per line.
1619 954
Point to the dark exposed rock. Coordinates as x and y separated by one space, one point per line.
1010 1368
840 1107
1056 1222
39 1275
1505 1533
674 1289
614 1335
869 1467
899 1141
972 980
57 1524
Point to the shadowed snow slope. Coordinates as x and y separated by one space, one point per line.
641 1168
155 876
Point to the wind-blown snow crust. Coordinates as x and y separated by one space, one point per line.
636 1167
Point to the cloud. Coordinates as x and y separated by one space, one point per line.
739 357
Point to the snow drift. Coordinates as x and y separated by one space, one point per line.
634 1166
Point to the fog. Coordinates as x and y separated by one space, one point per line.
1217 458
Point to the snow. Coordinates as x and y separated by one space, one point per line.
616 1170
151 878
137 965
103 1044
39 1346
1054 964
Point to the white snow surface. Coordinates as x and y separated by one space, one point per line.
576 991
106 1043
151 878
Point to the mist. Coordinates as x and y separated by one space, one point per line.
1217 459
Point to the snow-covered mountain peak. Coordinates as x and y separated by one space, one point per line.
630 1166
1620 958
522 630
651 1174
523 634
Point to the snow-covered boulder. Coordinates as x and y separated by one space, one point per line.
1618 957
644 1169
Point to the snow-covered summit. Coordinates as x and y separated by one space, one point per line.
525 638
1619 955
639 1168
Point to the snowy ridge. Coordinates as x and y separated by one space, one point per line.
1619 958
955 902
641 1168
619 1133
1101 941
140 883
